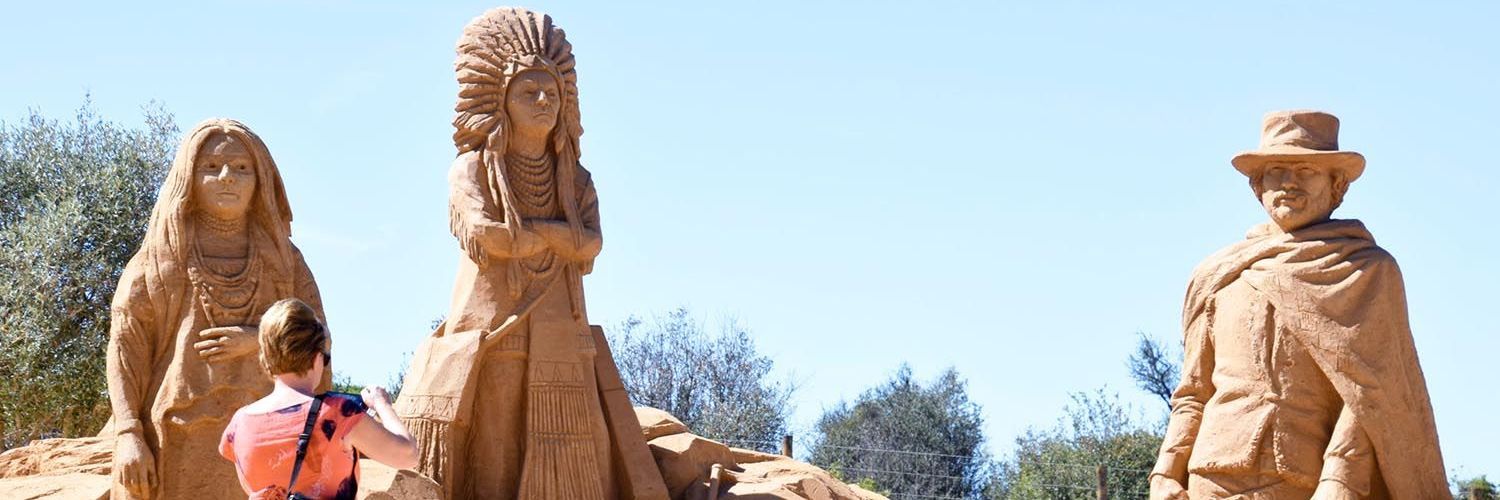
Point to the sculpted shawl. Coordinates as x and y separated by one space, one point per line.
1342 297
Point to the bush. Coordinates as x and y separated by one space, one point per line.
74 200
1062 462
718 385
907 438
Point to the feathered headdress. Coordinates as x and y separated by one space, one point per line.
494 48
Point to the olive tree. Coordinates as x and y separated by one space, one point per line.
906 438
716 383
74 199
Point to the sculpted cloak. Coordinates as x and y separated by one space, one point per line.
1344 300
159 385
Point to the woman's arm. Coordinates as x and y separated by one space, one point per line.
385 440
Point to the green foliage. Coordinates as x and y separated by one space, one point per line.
74 200
718 385
1477 488
869 485
1063 462
342 382
907 438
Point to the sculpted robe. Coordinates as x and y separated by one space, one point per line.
1300 367
512 410
182 401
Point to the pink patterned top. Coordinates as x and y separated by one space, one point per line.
263 447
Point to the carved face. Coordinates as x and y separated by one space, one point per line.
532 103
1296 194
224 177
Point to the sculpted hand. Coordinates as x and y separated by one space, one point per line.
1165 488
557 235
227 342
520 243
134 465
1333 490
528 243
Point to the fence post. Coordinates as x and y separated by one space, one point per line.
1103 482
786 446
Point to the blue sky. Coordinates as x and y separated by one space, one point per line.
1009 189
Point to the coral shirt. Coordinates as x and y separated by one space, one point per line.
263 447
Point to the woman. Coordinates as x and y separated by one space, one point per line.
262 437
503 398
184 318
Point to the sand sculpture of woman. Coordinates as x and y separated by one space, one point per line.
183 335
503 398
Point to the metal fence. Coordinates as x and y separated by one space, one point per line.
1029 479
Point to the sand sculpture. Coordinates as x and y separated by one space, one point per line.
182 350
515 396
1300 378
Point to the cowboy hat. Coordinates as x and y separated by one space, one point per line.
1300 136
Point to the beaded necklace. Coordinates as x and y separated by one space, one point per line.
225 297
218 225
533 182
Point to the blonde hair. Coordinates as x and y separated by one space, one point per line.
291 338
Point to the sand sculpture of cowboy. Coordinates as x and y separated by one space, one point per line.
1300 378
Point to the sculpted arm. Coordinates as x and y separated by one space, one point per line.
476 220
130 360
1187 402
588 211
559 235
1349 463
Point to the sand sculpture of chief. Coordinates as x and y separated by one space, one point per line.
514 395
1300 378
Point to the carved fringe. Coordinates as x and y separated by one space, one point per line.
432 447
469 242
561 462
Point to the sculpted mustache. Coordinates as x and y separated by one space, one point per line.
1281 195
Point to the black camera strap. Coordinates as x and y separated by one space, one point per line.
302 440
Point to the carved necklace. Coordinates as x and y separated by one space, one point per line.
218 225
533 187
226 297
533 183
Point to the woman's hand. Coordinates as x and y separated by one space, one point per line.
134 464
227 342
384 438
376 398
